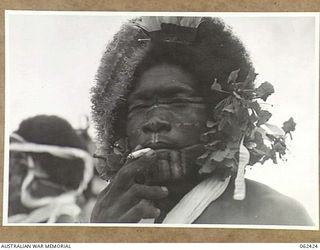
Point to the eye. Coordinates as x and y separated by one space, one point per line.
179 102
176 100
185 100
137 107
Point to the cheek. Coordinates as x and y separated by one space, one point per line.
190 128
133 130
187 125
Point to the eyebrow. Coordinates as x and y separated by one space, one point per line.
169 90
174 89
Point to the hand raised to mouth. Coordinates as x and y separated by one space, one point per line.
171 165
126 201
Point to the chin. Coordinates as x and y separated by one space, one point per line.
172 173
170 167
176 165
173 166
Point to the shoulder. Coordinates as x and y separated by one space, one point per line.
262 206
274 207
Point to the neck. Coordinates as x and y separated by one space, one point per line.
176 192
179 188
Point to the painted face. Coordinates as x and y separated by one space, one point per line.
166 112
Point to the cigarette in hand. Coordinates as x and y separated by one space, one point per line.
138 153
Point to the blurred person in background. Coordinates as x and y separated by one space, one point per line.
50 172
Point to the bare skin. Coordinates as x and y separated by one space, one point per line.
262 206
126 201
156 124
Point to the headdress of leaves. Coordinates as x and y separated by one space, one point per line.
239 131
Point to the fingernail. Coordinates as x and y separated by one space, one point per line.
158 212
164 189
137 147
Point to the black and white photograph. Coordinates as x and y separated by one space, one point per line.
161 119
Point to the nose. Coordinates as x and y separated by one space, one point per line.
156 124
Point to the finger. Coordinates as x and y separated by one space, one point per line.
143 210
140 166
101 196
138 147
100 211
138 192
146 192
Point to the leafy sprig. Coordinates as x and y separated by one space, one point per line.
239 120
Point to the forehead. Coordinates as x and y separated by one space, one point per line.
164 80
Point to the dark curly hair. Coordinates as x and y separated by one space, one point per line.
53 130
213 54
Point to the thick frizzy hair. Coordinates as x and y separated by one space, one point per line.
50 130
214 54
56 131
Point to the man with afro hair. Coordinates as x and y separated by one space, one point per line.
151 105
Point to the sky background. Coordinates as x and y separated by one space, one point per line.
51 62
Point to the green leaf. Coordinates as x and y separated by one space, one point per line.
231 154
271 137
273 156
264 159
260 133
273 129
263 117
219 155
229 108
233 145
222 103
240 116
211 124
289 126
259 151
117 151
202 158
223 123
251 145
211 144
253 118
255 106
280 148
230 163
264 90
208 167
237 95
233 76
236 104
250 77
205 137
216 86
